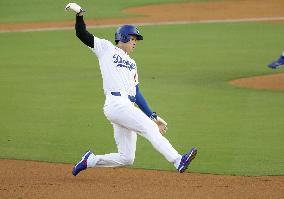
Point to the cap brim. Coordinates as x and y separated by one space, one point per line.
139 37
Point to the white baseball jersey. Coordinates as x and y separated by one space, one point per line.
119 71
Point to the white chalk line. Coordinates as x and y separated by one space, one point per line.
152 24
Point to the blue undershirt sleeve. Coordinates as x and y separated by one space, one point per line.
141 102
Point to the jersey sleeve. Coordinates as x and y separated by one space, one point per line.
100 46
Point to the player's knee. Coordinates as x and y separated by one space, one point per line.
127 160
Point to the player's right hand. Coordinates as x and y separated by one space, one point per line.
75 7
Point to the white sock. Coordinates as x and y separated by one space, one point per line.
283 54
177 162
92 160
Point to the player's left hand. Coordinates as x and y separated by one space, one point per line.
162 124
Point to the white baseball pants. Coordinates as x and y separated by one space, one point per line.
127 121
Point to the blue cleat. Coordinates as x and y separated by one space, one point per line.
82 164
186 159
277 63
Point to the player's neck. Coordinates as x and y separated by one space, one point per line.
123 48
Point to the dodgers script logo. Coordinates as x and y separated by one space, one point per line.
123 63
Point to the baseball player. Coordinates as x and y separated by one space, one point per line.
121 89
277 63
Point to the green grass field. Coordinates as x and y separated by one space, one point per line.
50 10
51 96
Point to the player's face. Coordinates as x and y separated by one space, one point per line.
129 46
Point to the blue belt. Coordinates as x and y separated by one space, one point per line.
130 97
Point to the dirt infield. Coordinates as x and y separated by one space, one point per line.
33 180
28 179
268 82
